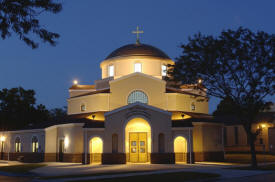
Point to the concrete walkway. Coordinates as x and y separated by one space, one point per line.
57 169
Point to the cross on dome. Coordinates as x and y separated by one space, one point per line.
137 32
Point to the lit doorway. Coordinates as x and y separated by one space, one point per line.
138 140
138 147
96 149
180 149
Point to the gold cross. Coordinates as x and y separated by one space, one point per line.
137 32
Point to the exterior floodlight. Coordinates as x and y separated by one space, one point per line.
2 138
75 82
199 81
263 125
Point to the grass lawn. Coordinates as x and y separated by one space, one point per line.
264 168
246 158
177 176
91 174
24 168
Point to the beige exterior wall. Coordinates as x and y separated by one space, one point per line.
73 133
50 140
93 103
242 144
25 138
207 137
125 65
121 88
159 121
182 102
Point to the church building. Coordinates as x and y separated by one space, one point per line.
130 115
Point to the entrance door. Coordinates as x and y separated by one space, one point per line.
61 150
138 147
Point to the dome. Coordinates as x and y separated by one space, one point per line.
138 50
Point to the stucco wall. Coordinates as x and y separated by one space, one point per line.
93 103
25 138
160 122
125 65
120 89
207 137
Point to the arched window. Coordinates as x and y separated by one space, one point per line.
137 96
34 144
161 143
17 145
114 143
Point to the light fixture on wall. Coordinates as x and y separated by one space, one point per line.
93 116
75 82
3 138
199 81
66 142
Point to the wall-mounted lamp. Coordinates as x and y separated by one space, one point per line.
3 138
199 81
66 142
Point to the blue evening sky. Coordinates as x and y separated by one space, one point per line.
90 30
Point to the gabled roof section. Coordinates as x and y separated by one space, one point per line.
93 92
176 90
137 74
82 87
137 104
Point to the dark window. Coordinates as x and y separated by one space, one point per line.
225 136
114 143
236 134
261 141
161 143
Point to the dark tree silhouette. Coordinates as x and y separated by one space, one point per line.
58 114
21 18
18 109
238 65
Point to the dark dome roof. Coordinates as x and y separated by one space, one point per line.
138 50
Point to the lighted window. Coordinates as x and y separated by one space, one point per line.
193 107
34 144
137 67
111 70
137 96
163 70
83 107
17 145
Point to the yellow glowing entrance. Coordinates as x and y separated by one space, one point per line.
96 149
180 149
138 147
138 140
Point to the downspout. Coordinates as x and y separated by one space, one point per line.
85 145
190 149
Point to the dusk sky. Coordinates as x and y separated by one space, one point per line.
90 30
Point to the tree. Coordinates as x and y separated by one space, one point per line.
58 114
21 18
238 65
18 109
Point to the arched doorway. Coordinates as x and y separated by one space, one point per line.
96 149
138 140
180 149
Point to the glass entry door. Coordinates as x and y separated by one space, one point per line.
138 147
